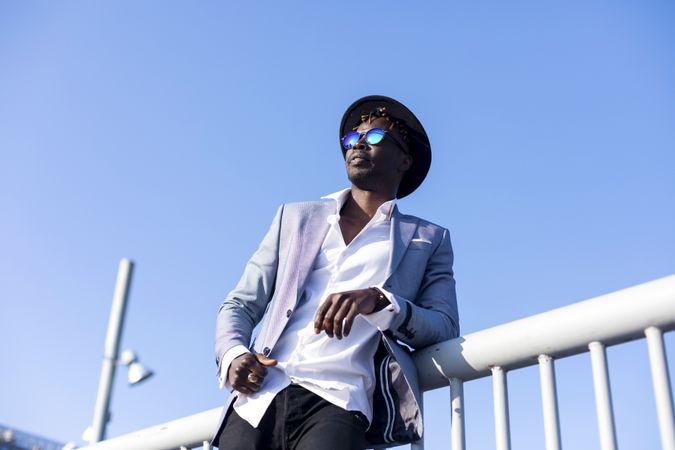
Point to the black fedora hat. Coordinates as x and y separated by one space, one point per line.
417 139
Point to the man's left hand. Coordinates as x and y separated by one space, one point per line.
336 314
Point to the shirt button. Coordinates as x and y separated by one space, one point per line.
288 313
267 351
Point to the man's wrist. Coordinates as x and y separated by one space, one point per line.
381 300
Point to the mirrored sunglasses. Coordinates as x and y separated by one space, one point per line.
372 137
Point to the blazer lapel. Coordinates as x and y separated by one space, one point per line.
311 235
402 230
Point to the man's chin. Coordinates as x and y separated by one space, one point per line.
361 179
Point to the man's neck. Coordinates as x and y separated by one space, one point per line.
364 202
358 210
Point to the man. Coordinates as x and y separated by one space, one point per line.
336 284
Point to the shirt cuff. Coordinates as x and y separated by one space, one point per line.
382 319
225 362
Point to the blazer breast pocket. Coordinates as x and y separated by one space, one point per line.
419 244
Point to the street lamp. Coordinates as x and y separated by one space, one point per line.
137 372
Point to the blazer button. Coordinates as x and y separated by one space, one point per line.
267 351
288 313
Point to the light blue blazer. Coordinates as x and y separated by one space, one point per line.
419 275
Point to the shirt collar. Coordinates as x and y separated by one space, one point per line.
383 212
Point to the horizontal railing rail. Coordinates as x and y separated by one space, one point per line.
646 310
613 318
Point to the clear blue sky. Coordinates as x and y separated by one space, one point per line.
168 132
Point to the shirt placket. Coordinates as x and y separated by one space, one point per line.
307 335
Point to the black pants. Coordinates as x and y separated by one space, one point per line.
297 419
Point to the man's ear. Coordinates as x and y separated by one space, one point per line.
406 163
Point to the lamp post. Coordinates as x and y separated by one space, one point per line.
111 350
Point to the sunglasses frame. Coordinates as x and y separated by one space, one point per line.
364 136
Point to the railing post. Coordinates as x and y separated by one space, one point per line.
549 402
603 396
206 445
457 416
662 391
501 408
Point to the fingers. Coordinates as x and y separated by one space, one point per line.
321 313
246 374
336 314
339 318
243 389
328 324
256 368
246 381
349 319
265 361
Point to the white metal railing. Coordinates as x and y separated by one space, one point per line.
646 310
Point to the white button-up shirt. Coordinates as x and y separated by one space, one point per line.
339 370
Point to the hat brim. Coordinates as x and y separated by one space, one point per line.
418 141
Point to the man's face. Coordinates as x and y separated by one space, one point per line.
378 166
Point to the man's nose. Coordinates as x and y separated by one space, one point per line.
361 144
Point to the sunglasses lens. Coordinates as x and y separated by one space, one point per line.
374 136
350 140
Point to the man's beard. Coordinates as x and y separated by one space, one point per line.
365 180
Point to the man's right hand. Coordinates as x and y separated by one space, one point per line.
247 372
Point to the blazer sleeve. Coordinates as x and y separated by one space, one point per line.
244 306
432 316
